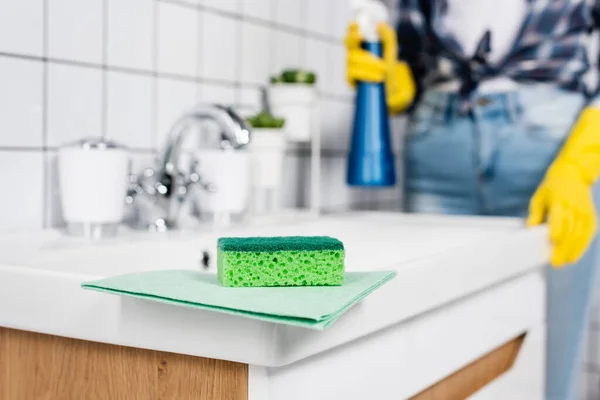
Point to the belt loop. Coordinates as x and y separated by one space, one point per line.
448 108
466 104
440 108
513 105
509 107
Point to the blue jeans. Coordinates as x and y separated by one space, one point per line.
488 159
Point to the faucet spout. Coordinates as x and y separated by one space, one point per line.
170 185
235 131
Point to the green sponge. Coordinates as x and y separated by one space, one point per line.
280 261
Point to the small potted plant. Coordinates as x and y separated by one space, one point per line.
267 148
293 95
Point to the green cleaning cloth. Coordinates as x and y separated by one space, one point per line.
314 307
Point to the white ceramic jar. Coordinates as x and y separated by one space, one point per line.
93 181
267 149
229 172
297 104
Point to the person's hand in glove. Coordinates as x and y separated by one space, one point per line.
565 194
364 66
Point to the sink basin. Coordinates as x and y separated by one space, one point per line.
371 242
438 260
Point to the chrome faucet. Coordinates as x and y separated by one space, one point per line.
158 193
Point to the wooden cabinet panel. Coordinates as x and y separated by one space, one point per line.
46 367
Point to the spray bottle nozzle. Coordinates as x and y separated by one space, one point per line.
369 13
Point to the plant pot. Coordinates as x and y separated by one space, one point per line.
267 149
296 102
228 171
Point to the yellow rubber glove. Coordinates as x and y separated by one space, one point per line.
565 194
364 66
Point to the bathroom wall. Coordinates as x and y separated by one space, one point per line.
127 69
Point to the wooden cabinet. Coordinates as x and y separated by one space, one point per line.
34 366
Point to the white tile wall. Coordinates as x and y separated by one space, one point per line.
22 201
75 30
21 103
53 215
289 50
291 13
129 109
22 19
336 123
256 51
219 50
130 36
190 2
128 69
177 39
74 103
337 73
249 100
173 98
341 16
335 192
229 6
216 93
318 16
258 9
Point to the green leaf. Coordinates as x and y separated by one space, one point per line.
265 120
298 76
276 79
279 122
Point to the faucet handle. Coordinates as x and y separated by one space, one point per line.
195 178
145 183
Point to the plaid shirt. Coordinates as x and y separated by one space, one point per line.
551 46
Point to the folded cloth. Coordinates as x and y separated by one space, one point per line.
315 307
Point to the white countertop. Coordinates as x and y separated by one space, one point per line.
437 259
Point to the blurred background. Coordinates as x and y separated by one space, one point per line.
128 69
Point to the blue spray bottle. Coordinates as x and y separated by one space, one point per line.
371 160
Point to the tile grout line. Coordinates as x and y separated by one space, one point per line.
199 51
54 149
273 39
154 75
304 42
272 47
331 63
272 43
238 88
45 155
147 73
258 21
238 57
104 78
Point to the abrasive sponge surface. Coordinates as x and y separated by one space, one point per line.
281 261
279 243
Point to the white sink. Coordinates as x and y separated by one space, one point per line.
437 259
371 242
